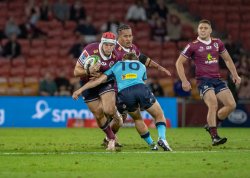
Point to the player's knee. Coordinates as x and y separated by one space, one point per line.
213 107
98 115
110 111
232 106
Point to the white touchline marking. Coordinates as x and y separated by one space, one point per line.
119 152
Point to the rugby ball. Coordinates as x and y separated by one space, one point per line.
90 61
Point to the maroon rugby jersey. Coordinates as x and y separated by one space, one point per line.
121 50
205 56
95 49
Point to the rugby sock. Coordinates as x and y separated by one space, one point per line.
107 129
147 138
213 131
161 127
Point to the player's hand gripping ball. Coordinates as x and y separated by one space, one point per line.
91 61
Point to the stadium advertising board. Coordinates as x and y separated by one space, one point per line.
56 111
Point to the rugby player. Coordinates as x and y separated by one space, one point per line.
101 99
205 52
133 95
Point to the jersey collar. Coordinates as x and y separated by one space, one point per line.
125 49
205 42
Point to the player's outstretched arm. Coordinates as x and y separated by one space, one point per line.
150 63
159 67
90 84
230 65
181 73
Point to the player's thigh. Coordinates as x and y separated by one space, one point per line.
108 100
226 98
210 99
155 110
96 108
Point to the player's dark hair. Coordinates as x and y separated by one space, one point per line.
130 56
122 27
205 21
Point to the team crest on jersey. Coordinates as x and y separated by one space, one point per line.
120 48
216 45
201 48
95 51
111 63
133 51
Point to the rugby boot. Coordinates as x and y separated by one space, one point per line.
164 144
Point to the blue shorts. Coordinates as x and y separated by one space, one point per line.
216 84
95 93
134 97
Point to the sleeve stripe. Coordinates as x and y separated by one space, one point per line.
80 62
223 51
185 56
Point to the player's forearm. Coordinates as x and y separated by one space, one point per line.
181 71
151 63
80 72
229 63
94 83
231 67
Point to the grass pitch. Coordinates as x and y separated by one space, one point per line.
77 153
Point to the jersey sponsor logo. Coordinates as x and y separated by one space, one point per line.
208 47
129 76
201 49
211 59
186 48
83 56
103 63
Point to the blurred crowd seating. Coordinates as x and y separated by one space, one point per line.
21 76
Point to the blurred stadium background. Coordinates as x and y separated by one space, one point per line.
42 39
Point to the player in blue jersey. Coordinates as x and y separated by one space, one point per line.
125 45
133 95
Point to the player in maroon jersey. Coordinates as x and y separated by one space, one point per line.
125 45
205 52
101 99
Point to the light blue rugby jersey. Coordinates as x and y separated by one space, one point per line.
127 73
